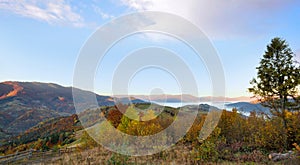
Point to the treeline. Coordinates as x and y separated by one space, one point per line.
240 138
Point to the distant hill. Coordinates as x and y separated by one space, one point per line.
248 107
200 107
58 129
25 104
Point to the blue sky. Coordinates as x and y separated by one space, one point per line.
40 40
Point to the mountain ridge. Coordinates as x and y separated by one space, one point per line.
25 104
187 98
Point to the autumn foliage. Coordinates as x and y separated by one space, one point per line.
236 138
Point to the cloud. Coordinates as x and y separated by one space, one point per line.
220 18
100 12
53 12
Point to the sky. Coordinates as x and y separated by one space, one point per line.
41 40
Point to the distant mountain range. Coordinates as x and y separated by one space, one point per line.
25 104
186 98
243 104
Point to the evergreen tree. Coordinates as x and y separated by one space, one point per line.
278 78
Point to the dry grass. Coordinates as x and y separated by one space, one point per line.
179 154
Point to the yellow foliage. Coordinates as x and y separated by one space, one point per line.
150 115
131 113
297 147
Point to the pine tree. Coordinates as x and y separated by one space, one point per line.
278 78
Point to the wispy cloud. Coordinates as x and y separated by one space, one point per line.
101 13
51 11
221 19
